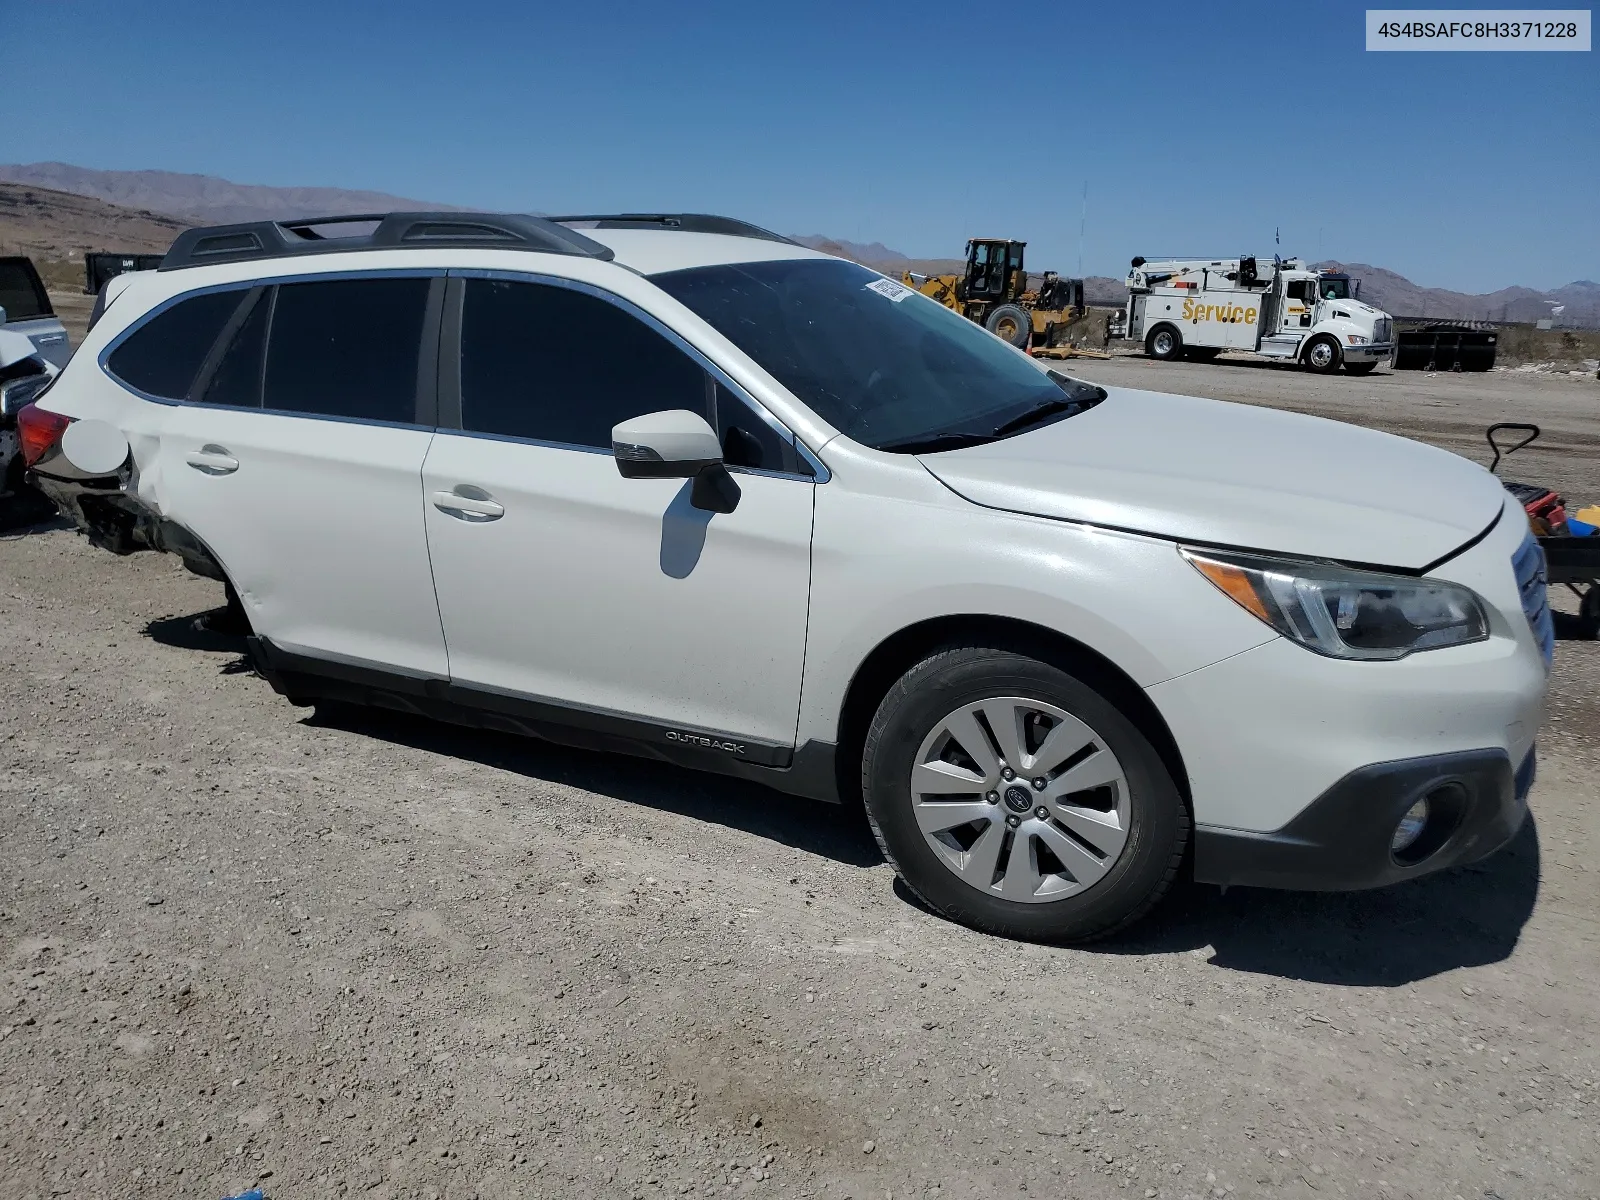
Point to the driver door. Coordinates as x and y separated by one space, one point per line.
1299 302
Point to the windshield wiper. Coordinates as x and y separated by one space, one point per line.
935 442
1036 414
1081 396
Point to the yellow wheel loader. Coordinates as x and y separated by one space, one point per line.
994 292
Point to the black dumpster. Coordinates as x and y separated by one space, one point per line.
1445 346
100 267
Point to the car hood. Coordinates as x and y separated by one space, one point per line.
1357 309
1222 474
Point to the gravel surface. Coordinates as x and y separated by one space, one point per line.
341 953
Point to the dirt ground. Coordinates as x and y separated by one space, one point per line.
337 954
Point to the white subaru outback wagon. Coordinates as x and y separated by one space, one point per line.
676 486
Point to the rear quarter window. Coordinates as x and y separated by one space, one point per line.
162 356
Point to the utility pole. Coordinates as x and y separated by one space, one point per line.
1083 222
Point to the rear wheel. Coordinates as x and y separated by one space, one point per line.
1164 342
1322 355
1011 323
1366 368
1015 798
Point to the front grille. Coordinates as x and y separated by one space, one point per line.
1381 330
1528 563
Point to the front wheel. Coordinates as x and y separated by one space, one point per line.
1017 799
1366 368
1164 343
1011 323
1322 355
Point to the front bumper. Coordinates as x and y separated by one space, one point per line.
1368 352
1341 841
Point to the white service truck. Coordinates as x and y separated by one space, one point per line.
1199 307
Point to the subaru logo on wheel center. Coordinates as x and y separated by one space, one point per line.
1017 799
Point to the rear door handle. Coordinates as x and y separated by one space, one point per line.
468 503
213 460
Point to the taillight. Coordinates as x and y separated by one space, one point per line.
39 431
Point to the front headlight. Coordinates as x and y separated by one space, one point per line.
1342 612
1355 339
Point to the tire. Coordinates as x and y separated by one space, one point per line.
231 620
22 504
1589 612
1011 323
1202 353
1136 821
1366 368
1164 342
1322 355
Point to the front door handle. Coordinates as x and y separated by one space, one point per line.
213 460
468 503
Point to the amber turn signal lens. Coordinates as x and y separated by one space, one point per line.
1235 582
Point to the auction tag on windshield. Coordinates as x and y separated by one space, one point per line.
888 287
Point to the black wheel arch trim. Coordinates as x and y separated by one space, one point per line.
899 651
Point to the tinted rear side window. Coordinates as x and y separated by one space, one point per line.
22 295
557 365
347 348
163 355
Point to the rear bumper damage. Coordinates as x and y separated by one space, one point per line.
113 520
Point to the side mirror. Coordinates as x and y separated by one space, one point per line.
676 444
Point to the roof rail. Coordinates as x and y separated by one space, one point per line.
683 222
395 230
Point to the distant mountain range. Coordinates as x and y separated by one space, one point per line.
55 211
204 199
48 225
1398 295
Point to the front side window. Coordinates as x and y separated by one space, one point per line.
163 356
346 348
883 365
554 364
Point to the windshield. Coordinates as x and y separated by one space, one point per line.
880 363
1335 289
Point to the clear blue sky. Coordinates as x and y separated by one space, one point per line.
1198 126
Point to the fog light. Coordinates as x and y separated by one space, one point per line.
1410 827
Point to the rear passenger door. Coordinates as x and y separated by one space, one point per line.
606 601
296 457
